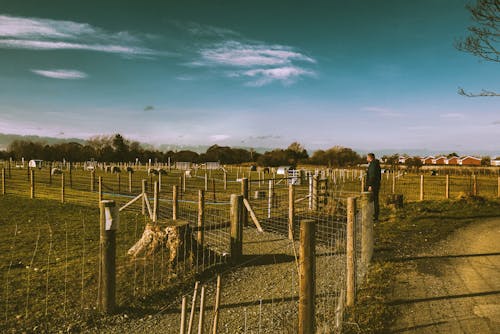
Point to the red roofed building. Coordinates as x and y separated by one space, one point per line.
469 161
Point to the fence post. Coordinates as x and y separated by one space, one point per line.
32 183
155 202
315 193
498 190
422 187
3 181
99 196
62 188
447 189
291 210
143 197
70 175
306 277
366 230
270 198
159 181
206 181
201 217
394 182
119 180
92 180
175 202
130 181
50 173
362 183
236 245
474 185
183 315
351 251
244 192
109 220
225 181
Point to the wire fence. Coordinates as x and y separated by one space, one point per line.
52 264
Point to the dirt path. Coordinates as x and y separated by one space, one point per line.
455 288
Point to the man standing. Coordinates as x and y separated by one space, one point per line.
373 176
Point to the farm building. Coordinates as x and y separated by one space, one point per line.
183 165
212 165
495 162
427 160
35 163
469 161
439 160
283 170
452 161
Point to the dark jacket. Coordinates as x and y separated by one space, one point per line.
373 174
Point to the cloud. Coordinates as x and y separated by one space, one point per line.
61 74
263 63
219 137
46 34
496 122
204 30
384 112
287 75
456 116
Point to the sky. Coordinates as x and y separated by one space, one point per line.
364 74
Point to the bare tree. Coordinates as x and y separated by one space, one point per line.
484 37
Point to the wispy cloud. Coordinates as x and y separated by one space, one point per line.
219 137
455 116
262 63
380 111
61 74
46 34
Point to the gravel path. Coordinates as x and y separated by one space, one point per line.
455 288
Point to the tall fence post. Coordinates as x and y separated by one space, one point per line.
447 188
270 198
92 180
130 181
291 210
3 181
315 198
155 201
32 183
99 196
175 202
366 229
244 192
143 184
206 181
362 183
474 185
236 245
394 182
62 188
109 220
498 186
306 277
225 180
422 187
351 251
201 217
50 173
70 175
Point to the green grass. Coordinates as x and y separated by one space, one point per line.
403 233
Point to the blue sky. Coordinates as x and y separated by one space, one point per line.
365 74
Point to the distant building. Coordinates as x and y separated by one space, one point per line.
495 162
439 160
212 165
469 161
183 165
452 161
427 160
402 160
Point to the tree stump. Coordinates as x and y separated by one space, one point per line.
394 201
174 235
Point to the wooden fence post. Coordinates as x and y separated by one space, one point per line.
447 188
394 182
366 230
201 320
62 188
155 202
32 183
306 277
206 181
99 196
143 183
236 245
422 187
270 198
498 186
3 181
175 202
291 210
315 199
92 180
244 192
474 185
183 315
50 173
217 305
201 217
130 181
109 220
70 175
351 251
119 180
225 181
362 183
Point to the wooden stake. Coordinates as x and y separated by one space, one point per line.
108 225
193 307
217 304
394 182
32 183
202 311
291 210
236 245
99 196
183 315
351 251
175 202
62 188
201 217
244 192
3 181
155 202
92 180
246 203
130 181
143 197
366 229
422 187
306 277
474 185
447 188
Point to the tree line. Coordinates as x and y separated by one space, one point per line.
116 148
